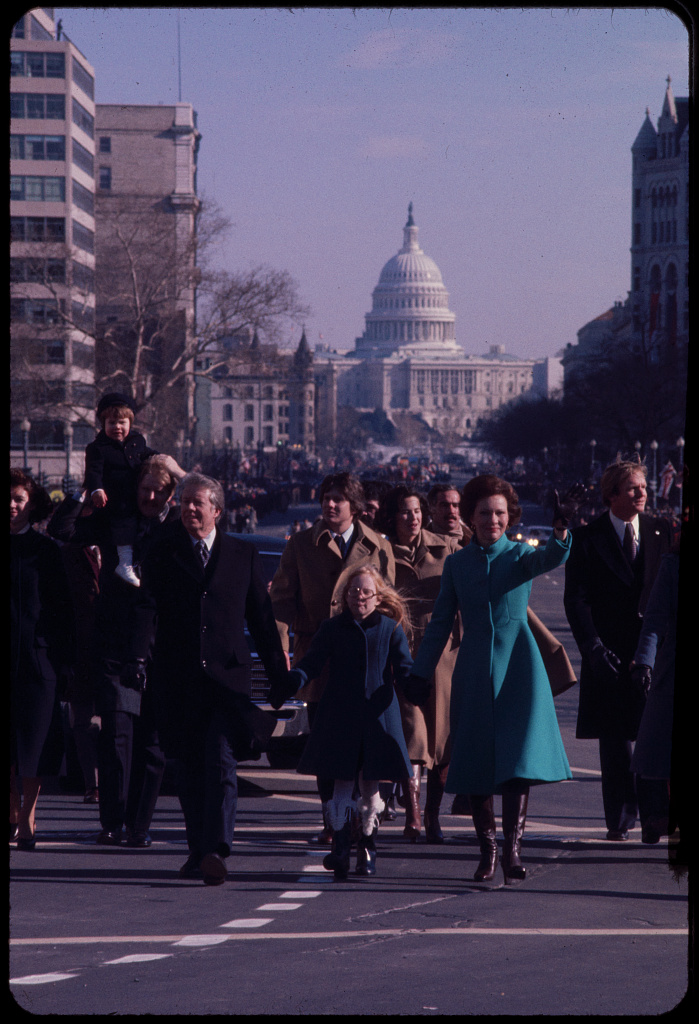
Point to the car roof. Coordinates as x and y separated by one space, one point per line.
262 541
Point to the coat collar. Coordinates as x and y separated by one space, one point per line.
362 537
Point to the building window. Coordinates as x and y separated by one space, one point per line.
83 118
83 159
83 79
105 144
37 65
267 436
38 106
249 413
227 412
105 179
83 198
37 229
83 237
249 437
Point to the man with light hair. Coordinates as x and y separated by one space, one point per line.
612 566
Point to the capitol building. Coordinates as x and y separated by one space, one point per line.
408 360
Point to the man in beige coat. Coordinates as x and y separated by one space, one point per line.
305 589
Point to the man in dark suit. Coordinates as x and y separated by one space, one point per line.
609 574
131 763
204 586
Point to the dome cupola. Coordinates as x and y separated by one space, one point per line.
410 307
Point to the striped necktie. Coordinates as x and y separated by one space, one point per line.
203 553
630 546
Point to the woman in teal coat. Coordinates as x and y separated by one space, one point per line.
505 734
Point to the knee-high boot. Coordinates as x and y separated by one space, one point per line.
436 780
413 819
484 822
514 818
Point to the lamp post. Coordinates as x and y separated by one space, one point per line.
680 471
637 446
25 427
593 445
654 478
68 441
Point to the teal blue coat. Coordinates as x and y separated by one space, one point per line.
503 720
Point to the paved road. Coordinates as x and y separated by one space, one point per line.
596 928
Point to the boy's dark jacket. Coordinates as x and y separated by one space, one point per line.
113 466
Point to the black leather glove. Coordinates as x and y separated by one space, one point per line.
417 690
284 688
565 508
134 675
604 663
641 676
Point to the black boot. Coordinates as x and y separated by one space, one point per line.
514 818
436 780
339 859
366 854
484 823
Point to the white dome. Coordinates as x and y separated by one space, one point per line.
410 307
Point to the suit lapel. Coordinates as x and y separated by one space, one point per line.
610 550
186 556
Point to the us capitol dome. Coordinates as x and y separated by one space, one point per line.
410 306
408 363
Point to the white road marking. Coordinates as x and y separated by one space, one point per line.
198 940
299 894
208 940
247 922
278 906
138 958
40 979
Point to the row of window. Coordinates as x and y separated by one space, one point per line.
50 229
50 433
42 270
37 65
50 107
37 147
419 302
31 188
661 232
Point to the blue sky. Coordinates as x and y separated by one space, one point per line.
509 130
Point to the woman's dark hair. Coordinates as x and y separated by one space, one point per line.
390 507
350 486
487 486
40 504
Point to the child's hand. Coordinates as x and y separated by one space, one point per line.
99 498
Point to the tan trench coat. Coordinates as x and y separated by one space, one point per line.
306 587
426 729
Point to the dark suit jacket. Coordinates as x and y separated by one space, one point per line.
201 658
124 623
605 597
113 466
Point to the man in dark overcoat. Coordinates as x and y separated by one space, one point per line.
205 585
612 566
130 761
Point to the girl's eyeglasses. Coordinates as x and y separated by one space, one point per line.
360 592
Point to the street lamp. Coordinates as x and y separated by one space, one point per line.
654 478
25 427
593 445
680 471
68 441
637 446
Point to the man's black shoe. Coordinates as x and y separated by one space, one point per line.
617 835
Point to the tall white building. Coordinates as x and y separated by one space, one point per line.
52 254
408 359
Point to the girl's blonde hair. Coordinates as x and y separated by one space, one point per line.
390 602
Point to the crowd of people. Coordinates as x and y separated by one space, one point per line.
413 648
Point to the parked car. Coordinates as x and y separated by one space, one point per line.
534 535
292 728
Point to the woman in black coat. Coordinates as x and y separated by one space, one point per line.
41 646
357 735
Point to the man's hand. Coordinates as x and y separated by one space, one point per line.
99 498
417 690
641 677
604 663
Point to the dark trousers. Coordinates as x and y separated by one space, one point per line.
131 766
207 784
325 785
627 796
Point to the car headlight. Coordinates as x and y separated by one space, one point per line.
533 542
